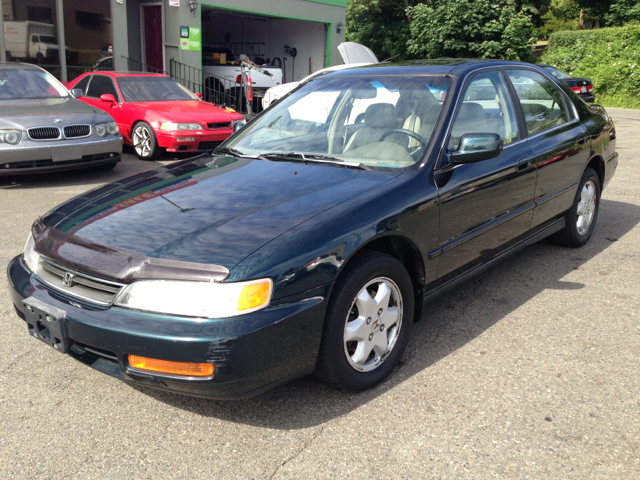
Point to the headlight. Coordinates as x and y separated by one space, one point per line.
102 129
10 136
197 299
30 256
238 124
180 126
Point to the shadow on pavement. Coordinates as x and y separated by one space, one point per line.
447 325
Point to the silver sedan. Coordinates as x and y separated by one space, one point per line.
43 127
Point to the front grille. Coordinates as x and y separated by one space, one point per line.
85 287
208 145
75 131
44 133
214 126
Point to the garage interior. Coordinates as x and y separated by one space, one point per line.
264 40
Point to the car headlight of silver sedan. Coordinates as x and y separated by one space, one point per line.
197 299
103 129
11 137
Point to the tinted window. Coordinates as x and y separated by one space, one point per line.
152 89
100 85
82 84
486 108
542 103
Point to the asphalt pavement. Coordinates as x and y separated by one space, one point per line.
532 370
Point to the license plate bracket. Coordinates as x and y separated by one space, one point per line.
46 323
66 152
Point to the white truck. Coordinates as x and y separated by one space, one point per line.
30 40
222 81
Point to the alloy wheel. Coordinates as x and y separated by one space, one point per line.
142 141
373 324
586 207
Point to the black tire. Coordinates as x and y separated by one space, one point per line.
150 151
333 366
106 167
570 236
39 58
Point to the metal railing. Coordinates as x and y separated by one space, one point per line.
136 66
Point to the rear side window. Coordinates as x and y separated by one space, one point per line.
101 84
542 103
82 84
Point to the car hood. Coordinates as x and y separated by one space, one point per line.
25 113
352 52
211 209
189 111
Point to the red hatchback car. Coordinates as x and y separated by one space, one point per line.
156 113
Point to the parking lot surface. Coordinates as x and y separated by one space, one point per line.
531 370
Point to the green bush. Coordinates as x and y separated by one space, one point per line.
471 29
608 56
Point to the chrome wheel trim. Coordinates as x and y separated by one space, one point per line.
373 324
142 141
586 207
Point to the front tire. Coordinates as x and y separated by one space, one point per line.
144 142
582 216
368 323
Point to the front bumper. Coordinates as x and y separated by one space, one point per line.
251 353
36 157
199 140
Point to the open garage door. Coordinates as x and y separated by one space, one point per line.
287 49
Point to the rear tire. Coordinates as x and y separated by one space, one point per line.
144 142
581 217
368 323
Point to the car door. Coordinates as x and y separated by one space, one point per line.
487 205
558 140
100 85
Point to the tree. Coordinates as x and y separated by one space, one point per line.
381 25
623 11
472 29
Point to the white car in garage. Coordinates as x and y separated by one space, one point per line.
353 55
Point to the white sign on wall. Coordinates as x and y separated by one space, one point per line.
174 3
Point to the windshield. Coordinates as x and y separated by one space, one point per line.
152 89
383 121
559 74
18 83
50 39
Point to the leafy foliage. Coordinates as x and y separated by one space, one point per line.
609 56
472 29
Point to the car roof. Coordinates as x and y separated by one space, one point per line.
438 66
19 66
111 73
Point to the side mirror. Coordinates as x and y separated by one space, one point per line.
475 147
199 95
108 98
77 92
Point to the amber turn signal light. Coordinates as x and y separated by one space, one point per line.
173 368
254 295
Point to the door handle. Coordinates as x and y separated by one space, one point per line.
582 139
523 163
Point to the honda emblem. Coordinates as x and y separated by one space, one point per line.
68 279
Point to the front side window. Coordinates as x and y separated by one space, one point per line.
147 88
82 84
378 121
486 108
101 85
542 103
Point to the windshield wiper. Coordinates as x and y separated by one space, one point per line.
232 151
311 157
